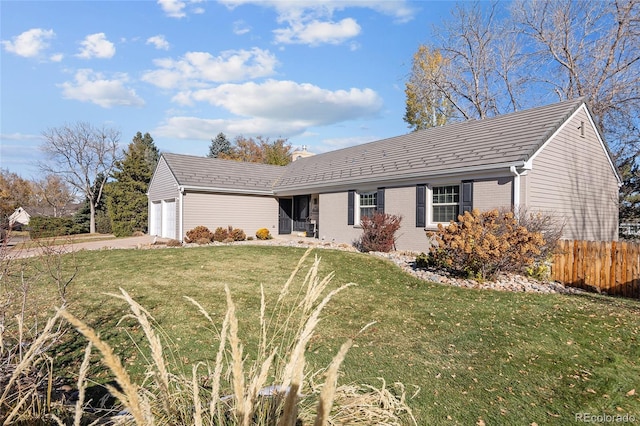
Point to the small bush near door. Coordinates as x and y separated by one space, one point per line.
263 234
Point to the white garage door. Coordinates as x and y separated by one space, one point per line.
156 218
169 219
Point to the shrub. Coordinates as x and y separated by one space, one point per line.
378 232
199 233
44 227
484 244
423 260
237 234
174 243
263 234
220 234
103 225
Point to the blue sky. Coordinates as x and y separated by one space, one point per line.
325 74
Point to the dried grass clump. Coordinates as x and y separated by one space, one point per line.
369 405
236 389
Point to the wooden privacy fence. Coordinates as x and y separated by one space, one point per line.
610 267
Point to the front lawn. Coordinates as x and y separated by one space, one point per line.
464 356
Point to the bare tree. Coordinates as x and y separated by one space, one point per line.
475 68
497 59
591 49
83 156
54 192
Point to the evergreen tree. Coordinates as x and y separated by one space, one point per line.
219 145
151 153
126 195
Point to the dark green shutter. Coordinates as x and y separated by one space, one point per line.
380 201
350 207
421 206
467 196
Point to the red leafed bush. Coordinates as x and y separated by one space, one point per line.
378 232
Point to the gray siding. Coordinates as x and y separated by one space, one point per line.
491 194
247 212
402 201
333 219
398 201
163 184
572 178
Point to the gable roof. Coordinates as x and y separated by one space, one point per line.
501 141
204 173
465 147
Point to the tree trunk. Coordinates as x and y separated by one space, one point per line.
92 222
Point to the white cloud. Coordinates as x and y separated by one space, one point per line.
56 57
177 8
20 136
240 27
185 127
90 86
30 43
311 22
173 8
196 68
317 32
282 108
159 42
96 46
290 101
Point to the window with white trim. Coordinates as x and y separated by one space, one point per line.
367 202
445 203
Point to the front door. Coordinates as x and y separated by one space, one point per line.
284 216
300 212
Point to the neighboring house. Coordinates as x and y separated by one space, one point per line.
550 159
19 218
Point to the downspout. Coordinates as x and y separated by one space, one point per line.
524 169
516 187
180 227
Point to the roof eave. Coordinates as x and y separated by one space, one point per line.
415 176
212 189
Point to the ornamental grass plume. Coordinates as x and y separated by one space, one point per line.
269 385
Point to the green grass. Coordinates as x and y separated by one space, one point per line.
505 358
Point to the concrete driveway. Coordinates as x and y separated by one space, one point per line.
69 245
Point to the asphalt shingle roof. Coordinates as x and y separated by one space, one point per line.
496 141
206 172
502 139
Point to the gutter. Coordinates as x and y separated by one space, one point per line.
344 183
225 190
